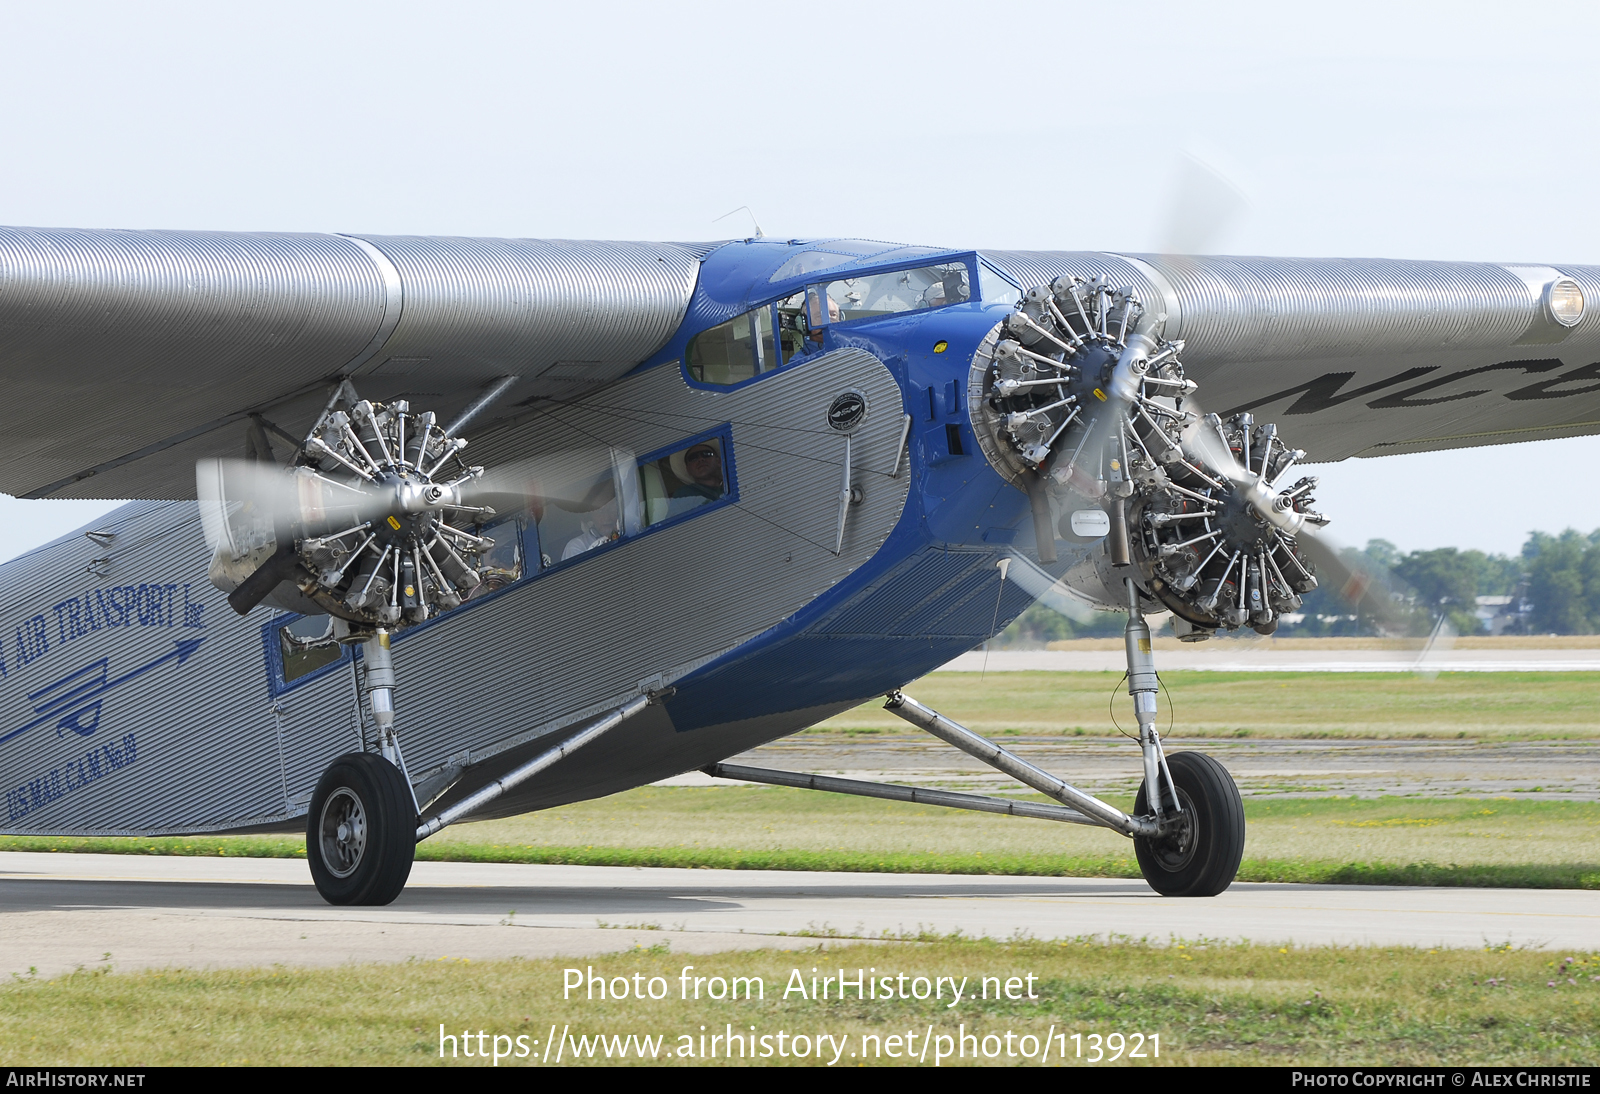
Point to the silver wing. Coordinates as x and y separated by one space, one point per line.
130 355
1370 357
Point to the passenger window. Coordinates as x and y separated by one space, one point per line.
681 481
502 565
589 501
874 295
305 645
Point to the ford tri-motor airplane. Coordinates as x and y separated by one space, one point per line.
713 495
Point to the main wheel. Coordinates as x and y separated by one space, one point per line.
1200 852
361 831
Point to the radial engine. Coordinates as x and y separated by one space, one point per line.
1077 401
368 525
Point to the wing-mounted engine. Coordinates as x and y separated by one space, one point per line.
368 524
1217 548
1077 399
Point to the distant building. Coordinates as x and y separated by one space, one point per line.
1502 614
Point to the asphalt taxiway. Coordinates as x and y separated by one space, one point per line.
59 912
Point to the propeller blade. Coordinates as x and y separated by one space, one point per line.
1046 590
1369 590
255 588
577 480
1440 643
1202 206
243 503
1203 440
261 518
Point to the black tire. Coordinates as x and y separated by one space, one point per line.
1200 856
361 831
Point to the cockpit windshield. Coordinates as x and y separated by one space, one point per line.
779 333
872 295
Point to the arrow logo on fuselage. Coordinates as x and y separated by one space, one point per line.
73 701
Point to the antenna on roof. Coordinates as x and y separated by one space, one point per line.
744 209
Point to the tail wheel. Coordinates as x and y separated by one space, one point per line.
1200 852
361 831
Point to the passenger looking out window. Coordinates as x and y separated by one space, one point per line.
590 536
693 476
699 471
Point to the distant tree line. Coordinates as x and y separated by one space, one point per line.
1554 586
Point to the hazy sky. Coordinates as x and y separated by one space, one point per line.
1444 131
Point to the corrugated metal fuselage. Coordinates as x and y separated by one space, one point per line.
135 701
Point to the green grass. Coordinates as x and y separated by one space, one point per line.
1209 1002
1312 705
1501 842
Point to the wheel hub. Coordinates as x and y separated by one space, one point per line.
343 831
1174 848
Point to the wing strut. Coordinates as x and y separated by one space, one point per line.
520 775
917 795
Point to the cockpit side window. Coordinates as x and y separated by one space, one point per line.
780 333
682 479
735 351
792 327
996 287
753 344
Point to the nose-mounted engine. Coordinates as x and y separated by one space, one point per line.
1076 399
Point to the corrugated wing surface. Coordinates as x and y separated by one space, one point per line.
111 341
1366 356
129 355
566 316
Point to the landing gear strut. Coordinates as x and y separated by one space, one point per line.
1187 824
361 828
1200 840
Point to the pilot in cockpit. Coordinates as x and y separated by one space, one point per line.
833 317
950 289
698 470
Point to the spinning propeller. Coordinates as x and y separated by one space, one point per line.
1084 402
374 521
1283 510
